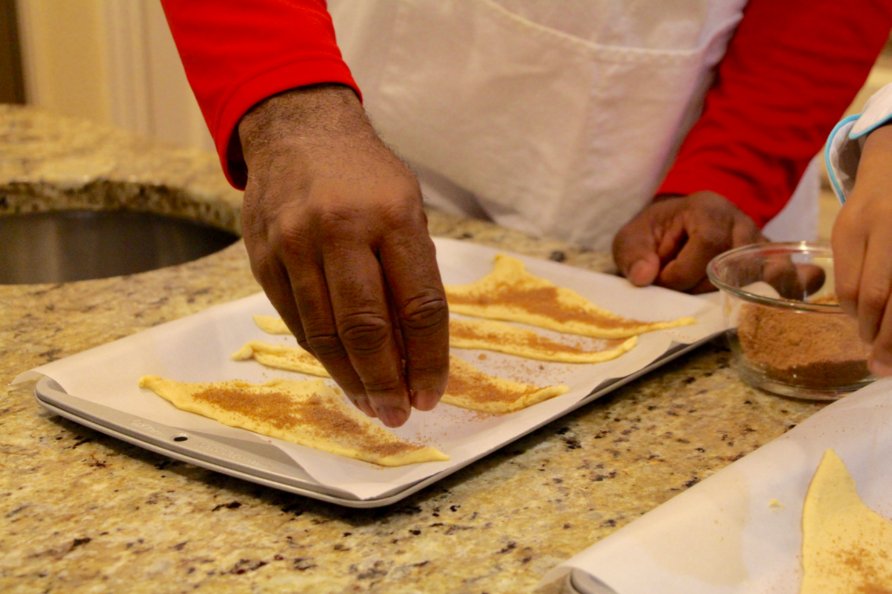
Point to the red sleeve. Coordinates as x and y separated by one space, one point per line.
790 71
239 52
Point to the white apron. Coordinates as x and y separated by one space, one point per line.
555 118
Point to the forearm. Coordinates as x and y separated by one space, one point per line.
237 54
873 181
789 72
844 147
313 131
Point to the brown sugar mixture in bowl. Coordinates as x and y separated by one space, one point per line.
811 349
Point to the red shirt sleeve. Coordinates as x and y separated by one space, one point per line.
238 52
790 71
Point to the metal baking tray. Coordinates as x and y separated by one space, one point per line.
262 463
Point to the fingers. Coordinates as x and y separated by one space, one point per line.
711 225
880 360
323 194
307 291
861 247
349 329
635 251
383 338
273 278
863 273
704 286
849 245
686 270
670 242
792 280
422 316
319 318
874 303
340 310
874 287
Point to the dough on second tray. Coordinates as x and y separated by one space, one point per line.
846 546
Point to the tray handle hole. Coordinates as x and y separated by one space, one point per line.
181 438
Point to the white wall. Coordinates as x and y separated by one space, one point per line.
111 61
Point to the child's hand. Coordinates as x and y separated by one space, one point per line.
862 249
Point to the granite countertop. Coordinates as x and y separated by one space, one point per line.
82 511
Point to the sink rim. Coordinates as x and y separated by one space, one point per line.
87 243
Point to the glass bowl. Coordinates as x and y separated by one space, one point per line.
787 333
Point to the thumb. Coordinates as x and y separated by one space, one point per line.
635 254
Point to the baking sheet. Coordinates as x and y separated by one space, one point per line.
199 347
739 531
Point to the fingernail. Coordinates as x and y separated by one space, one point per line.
425 399
639 273
392 417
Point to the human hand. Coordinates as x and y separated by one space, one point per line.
670 242
862 250
337 237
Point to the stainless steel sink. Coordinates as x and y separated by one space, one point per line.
70 245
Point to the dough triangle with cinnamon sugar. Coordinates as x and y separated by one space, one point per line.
487 335
467 386
310 413
511 293
846 546
491 335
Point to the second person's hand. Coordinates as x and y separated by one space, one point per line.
862 250
337 237
670 242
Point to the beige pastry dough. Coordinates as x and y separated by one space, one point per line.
504 338
309 413
281 357
846 546
471 388
271 324
512 294
488 335
467 387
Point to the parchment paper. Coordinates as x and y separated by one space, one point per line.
739 531
199 347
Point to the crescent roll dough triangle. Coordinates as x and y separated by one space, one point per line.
471 388
480 334
504 338
846 546
309 413
272 324
467 387
511 293
281 357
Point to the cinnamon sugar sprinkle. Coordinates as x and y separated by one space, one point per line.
318 414
543 301
531 340
870 579
480 387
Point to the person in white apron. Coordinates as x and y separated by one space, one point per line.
859 164
555 118
551 118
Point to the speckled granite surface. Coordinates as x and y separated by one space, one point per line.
82 512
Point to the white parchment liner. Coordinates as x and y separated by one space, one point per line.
739 531
198 348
